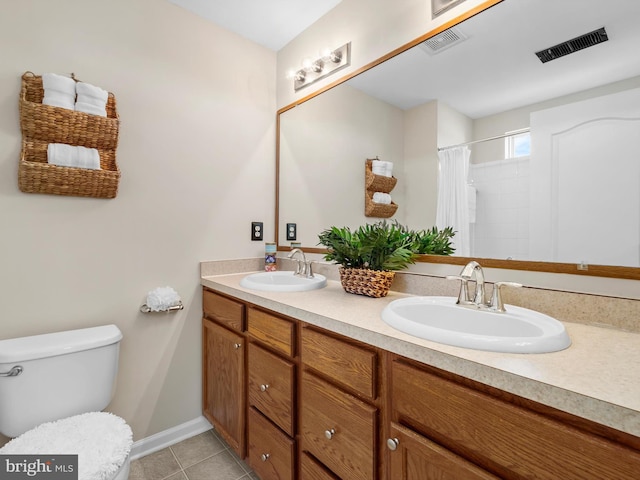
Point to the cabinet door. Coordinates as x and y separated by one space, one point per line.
413 457
223 383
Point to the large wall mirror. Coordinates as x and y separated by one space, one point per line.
568 202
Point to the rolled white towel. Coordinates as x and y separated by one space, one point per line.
378 167
59 83
388 167
64 155
59 91
91 108
382 198
91 99
54 98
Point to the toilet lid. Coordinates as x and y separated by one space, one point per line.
101 440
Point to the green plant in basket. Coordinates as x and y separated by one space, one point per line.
433 241
379 246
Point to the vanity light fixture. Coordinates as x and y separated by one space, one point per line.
330 61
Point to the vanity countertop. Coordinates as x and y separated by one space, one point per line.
597 377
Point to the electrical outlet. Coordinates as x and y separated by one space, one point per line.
256 231
291 231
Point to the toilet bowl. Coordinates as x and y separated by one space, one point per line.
53 388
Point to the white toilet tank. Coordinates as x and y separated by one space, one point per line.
63 374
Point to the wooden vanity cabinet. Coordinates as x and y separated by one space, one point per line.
301 403
339 407
223 379
473 428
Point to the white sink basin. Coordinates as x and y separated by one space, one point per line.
281 281
439 319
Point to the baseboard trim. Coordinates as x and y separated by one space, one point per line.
169 437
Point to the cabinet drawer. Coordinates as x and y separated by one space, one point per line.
417 458
271 330
311 470
271 386
352 366
509 440
338 429
271 452
223 309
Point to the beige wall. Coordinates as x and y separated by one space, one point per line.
197 142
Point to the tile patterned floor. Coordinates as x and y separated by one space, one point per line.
203 457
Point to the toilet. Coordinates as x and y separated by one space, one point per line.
53 388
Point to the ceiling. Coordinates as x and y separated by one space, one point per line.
271 23
496 69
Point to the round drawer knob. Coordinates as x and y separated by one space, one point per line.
264 387
237 345
329 433
264 457
392 443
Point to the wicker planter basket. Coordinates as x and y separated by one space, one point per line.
362 281
36 175
60 125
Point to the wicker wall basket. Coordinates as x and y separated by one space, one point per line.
36 175
362 281
378 210
60 125
377 183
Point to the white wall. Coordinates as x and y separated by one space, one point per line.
197 142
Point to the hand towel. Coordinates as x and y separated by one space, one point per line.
91 99
382 198
59 91
64 155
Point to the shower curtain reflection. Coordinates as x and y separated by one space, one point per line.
453 203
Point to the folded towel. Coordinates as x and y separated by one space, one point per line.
59 83
383 198
382 168
378 167
88 90
58 99
64 155
91 99
90 108
59 91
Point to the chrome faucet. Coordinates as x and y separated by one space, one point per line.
303 268
472 271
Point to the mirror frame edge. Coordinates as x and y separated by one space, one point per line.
621 272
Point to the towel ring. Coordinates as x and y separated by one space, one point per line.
174 308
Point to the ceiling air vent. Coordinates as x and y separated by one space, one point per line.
442 41
579 43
